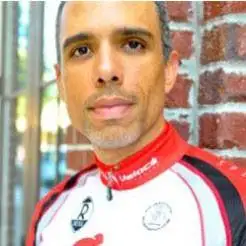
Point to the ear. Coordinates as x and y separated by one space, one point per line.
59 82
171 71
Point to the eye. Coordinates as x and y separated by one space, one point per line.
133 46
81 51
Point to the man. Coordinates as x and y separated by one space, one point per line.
148 186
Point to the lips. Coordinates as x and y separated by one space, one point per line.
111 108
110 102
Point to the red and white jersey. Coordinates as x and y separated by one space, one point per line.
169 193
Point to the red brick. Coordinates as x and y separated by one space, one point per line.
222 43
223 131
236 87
241 41
182 42
178 97
76 160
75 137
179 11
220 87
241 162
182 127
219 8
213 45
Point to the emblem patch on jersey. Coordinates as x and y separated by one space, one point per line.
84 215
157 216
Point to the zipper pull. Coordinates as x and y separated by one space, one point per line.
109 194
109 190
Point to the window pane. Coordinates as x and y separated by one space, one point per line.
17 147
49 39
53 156
23 28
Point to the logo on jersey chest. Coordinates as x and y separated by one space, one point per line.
157 216
84 215
136 173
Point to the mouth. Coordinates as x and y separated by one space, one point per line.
111 108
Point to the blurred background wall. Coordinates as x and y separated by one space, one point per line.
38 147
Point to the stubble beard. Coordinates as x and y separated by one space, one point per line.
113 136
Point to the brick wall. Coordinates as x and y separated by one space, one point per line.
208 103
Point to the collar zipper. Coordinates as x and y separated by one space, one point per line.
109 190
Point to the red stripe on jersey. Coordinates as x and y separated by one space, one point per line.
220 203
197 203
46 202
38 209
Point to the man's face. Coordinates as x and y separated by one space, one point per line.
112 71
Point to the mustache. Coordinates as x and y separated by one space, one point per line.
110 92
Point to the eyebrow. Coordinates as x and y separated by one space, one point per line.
124 31
75 38
127 31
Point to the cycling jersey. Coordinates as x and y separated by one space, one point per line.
169 193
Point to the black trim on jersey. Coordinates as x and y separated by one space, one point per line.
72 181
230 196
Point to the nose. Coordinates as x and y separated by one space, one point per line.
102 79
108 68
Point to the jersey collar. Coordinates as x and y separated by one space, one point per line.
145 164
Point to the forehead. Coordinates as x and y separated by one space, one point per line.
102 17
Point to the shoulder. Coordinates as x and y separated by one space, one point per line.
219 169
227 181
46 202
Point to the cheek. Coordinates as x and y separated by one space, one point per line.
153 87
156 97
149 81
77 89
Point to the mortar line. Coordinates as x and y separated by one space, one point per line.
234 18
197 16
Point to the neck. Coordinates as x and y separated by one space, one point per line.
114 156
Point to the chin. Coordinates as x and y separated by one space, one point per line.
114 136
